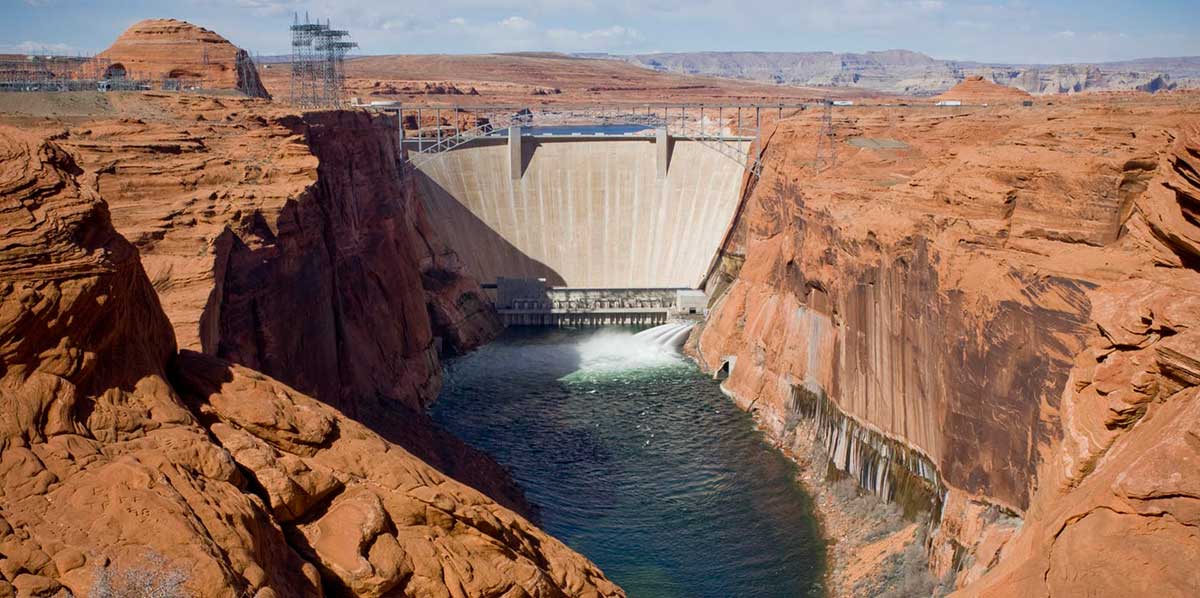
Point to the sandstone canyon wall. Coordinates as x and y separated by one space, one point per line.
372 278
158 49
125 464
936 306
293 245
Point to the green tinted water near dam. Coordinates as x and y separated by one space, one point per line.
637 461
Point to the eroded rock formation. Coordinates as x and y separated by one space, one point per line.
1117 507
977 90
125 465
158 49
232 203
293 246
940 302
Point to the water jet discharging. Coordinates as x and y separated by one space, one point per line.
611 350
668 336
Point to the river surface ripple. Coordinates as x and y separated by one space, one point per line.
637 461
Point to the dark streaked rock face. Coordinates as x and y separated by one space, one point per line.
984 299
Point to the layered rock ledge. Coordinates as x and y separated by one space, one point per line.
294 246
161 49
127 465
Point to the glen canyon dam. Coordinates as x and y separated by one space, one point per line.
549 300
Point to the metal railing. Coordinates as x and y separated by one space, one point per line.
425 154
726 146
710 133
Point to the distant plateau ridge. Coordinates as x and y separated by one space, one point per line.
914 73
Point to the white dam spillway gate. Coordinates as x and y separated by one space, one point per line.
584 212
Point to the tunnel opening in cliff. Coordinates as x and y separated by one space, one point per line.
115 71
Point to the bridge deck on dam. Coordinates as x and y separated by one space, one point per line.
584 211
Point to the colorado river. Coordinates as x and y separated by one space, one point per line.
637 461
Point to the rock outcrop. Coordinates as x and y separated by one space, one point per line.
1117 508
977 90
293 246
235 206
126 466
370 271
104 468
934 309
158 49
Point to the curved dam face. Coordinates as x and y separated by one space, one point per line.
594 211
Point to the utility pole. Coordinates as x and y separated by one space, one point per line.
826 142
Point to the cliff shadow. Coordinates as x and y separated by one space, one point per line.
196 376
487 253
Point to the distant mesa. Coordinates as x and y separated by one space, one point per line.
977 90
911 73
158 49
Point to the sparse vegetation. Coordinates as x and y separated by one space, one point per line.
906 574
154 578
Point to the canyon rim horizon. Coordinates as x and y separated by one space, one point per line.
305 315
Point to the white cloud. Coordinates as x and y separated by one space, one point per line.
859 15
517 25
613 38
32 47
986 30
271 8
516 32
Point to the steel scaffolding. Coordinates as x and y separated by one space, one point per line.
65 73
318 63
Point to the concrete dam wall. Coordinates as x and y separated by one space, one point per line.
590 211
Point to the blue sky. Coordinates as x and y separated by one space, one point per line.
993 31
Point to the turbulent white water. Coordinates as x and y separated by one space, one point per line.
638 462
670 336
610 350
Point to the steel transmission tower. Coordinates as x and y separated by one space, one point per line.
318 63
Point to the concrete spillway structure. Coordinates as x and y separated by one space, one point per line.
584 211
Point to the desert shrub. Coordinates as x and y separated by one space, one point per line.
152 579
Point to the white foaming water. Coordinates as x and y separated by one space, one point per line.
611 350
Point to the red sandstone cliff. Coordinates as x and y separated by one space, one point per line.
160 49
372 277
292 245
946 298
1117 507
126 466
